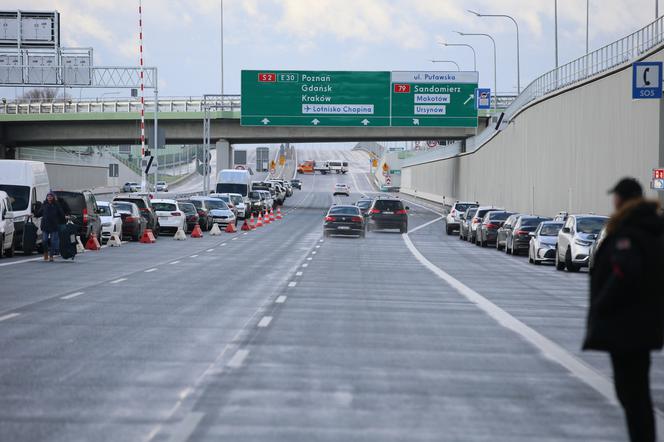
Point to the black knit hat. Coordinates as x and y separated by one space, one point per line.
627 188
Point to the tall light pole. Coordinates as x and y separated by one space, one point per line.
447 61
555 15
466 45
518 51
587 25
495 63
222 51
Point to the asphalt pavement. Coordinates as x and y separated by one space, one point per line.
281 335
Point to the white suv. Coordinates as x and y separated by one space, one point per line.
575 239
169 214
341 189
453 219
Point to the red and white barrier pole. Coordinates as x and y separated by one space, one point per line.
144 182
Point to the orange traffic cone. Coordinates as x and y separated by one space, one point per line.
259 223
92 243
245 226
272 215
197 232
266 218
279 213
147 237
230 228
252 222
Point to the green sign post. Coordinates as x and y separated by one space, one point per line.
341 98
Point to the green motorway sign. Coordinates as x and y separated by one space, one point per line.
343 98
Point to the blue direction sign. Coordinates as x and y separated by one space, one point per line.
647 80
482 98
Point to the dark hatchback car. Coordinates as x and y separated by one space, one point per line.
388 213
487 232
505 229
344 220
518 239
133 223
364 205
145 206
204 218
297 184
190 214
464 222
83 211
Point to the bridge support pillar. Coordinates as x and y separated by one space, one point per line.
224 155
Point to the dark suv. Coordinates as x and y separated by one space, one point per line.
388 213
144 205
82 209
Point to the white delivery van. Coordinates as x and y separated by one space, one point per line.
235 181
6 226
26 183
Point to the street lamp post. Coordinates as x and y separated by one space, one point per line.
222 51
518 51
495 63
555 15
466 45
447 61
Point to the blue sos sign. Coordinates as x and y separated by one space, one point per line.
647 80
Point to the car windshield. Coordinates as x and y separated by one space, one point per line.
161 183
188 208
345 210
363 204
19 195
216 204
104 210
341 185
254 195
590 225
164 207
388 205
550 229
464 207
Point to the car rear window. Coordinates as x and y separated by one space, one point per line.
72 202
164 207
345 210
138 201
550 229
123 207
481 213
237 199
530 222
590 224
498 216
364 204
216 204
471 213
463 207
188 208
388 205
197 204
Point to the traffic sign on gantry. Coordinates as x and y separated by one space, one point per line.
434 99
315 98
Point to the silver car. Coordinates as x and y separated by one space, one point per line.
543 242
575 239
453 219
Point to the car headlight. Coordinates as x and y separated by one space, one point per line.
547 246
583 243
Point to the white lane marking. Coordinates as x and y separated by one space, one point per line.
424 225
9 316
318 246
238 358
72 295
549 349
281 299
305 265
154 269
210 250
321 240
234 238
21 261
223 244
265 321
298 274
175 262
184 428
292 284
118 280
309 259
246 233
314 252
194 256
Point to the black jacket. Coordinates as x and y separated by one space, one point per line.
626 286
51 215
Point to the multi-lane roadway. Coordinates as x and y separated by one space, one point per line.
281 335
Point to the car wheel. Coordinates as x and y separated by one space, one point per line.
571 267
559 265
483 244
403 230
9 253
448 230
515 252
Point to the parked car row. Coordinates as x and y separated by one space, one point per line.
568 241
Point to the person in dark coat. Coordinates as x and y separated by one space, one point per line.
52 217
626 314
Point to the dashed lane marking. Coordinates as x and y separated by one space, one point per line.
154 269
238 358
305 265
309 259
292 284
21 261
117 281
298 274
281 299
9 316
265 321
72 295
194 256
234 238
314 252
175 262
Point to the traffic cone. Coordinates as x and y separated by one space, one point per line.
252 222
114 241
197 232
180 235
259 223
245 226
272 215
93 243
147 237
279 216
79 245
266 218
230 228
215 230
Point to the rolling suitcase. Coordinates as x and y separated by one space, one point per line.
29 240
67 236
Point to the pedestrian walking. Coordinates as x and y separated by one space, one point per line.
52 217
626 314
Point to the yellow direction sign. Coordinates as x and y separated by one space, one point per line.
386 167
282 160
374 162
273 165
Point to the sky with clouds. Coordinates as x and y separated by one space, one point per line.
182 38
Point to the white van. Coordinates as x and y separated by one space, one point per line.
26 183
338 166
6 226
235 181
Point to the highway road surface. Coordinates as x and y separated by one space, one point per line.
280 335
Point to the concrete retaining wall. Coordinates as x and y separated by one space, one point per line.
562 153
